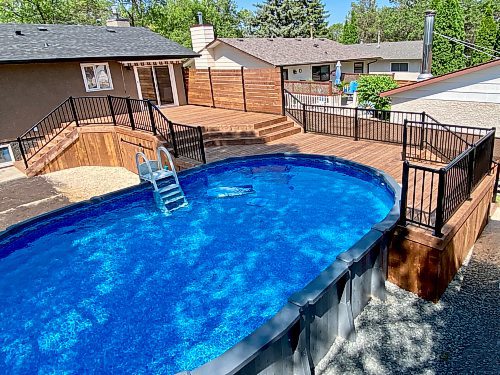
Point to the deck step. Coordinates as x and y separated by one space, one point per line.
272 136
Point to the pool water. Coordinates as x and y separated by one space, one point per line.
119 287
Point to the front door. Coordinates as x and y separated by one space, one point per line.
155 84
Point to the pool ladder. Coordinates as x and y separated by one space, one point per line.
167 190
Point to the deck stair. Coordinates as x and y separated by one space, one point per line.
162 175
260 132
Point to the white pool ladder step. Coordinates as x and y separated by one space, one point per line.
167 190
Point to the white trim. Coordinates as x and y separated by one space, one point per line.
173 83
93 65
11 154
155 83
137 83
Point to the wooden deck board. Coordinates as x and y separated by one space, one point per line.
209 117
386 157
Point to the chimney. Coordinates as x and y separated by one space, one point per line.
116 20
425 71
201 35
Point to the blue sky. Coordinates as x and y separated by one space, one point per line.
338 9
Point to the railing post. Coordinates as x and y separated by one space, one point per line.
422 131
282 88
438 225
23 154
356 125
202 145
73 109
111 109
130 114
304 117
470 171
404 194
211 86
151 116
405 135
243 89
172 135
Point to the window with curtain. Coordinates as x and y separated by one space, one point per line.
97 77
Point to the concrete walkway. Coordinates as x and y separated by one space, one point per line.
406 335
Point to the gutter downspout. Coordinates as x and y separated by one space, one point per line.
368 66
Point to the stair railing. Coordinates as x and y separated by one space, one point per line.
137 114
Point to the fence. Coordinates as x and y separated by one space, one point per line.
256 90
311 88
184 140
431 196
357 123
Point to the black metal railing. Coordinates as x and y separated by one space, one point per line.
39 135
438 143
431 196
184 140
358 123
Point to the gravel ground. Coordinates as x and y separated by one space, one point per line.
83 183
458 335
24 198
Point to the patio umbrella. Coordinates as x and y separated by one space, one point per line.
338 73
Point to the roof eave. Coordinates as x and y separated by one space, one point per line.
97 58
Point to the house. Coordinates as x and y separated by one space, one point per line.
42 65
306 58
469 96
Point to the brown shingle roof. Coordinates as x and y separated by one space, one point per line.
295 51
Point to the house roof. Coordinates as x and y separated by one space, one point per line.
443 77
406 50
45 43
296 51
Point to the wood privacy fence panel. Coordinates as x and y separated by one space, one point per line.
263 90
198 86
256 90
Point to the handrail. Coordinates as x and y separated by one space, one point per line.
44 118
106 110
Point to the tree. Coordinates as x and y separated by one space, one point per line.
91 12
173 18
336 31
290 18
411 11
448 55
350 34
366 20
485 37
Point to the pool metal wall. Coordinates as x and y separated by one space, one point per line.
302 332
296 339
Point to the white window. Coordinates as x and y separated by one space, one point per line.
97 77
399 67
6 156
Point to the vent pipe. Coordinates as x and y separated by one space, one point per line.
200 18
425 71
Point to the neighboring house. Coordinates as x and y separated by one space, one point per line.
42 65
306 58
469 96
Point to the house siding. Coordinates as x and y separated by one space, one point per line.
453 112
30 91
384 66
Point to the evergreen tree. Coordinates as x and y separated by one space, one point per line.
448 56
485 37
366 20
290 18
350 33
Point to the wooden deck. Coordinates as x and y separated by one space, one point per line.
207 117
386 157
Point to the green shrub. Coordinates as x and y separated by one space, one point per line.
370 86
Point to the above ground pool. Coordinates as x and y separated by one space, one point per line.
117 286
